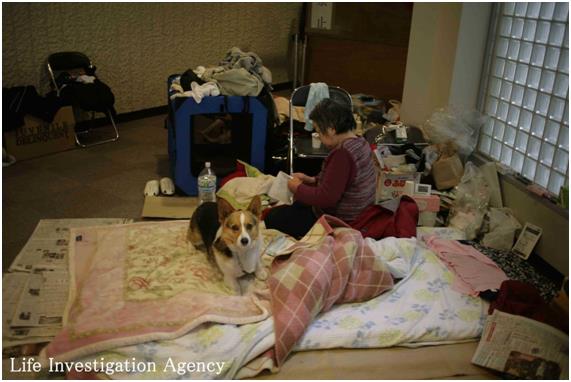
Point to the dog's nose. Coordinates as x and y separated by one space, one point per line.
244 241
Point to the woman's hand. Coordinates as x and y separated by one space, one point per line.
293 184
304 178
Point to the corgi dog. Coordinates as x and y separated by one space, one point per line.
231 238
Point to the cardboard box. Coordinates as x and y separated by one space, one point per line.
173 207
37 137
391 185
447 172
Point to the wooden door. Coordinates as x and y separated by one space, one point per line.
364 51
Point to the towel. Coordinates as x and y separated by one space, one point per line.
317 92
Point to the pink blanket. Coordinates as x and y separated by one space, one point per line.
339 268
141 282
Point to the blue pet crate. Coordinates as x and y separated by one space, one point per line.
245 137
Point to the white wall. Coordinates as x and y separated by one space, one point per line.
445 58
430 60
136 46
470 52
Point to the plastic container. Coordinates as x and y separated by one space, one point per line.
400 132
206 184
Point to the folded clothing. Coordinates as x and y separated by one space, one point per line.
474 271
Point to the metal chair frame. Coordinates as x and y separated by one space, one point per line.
65 62
299 98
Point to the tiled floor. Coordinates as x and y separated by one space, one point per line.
101 181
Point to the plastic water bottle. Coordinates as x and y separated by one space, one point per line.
206 185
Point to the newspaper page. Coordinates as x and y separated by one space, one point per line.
49 242
279 190
12 287
42 302
33 305
35 293
523 347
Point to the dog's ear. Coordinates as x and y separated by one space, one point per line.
255 206
224 209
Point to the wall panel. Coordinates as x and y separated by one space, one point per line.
137 45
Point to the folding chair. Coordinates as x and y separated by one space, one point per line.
299 98
64 68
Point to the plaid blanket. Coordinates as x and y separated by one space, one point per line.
331 265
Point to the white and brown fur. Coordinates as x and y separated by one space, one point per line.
232 238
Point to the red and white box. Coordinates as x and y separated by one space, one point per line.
429 203
391 185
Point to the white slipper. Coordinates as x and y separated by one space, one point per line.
152 188
7 159
167 186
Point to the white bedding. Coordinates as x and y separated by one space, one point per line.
421 309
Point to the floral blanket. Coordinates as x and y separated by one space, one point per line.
421 309
142 282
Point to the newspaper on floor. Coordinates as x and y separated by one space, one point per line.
35 292
47 245
42 302
523 347
12 287
33 305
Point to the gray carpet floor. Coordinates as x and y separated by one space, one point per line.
104 181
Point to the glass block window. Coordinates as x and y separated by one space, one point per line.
527 92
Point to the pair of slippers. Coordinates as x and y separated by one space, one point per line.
155 187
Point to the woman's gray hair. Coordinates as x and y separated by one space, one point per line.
329 113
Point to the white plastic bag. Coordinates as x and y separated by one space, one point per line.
471 204
456 125
279 190
502 228
393 114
